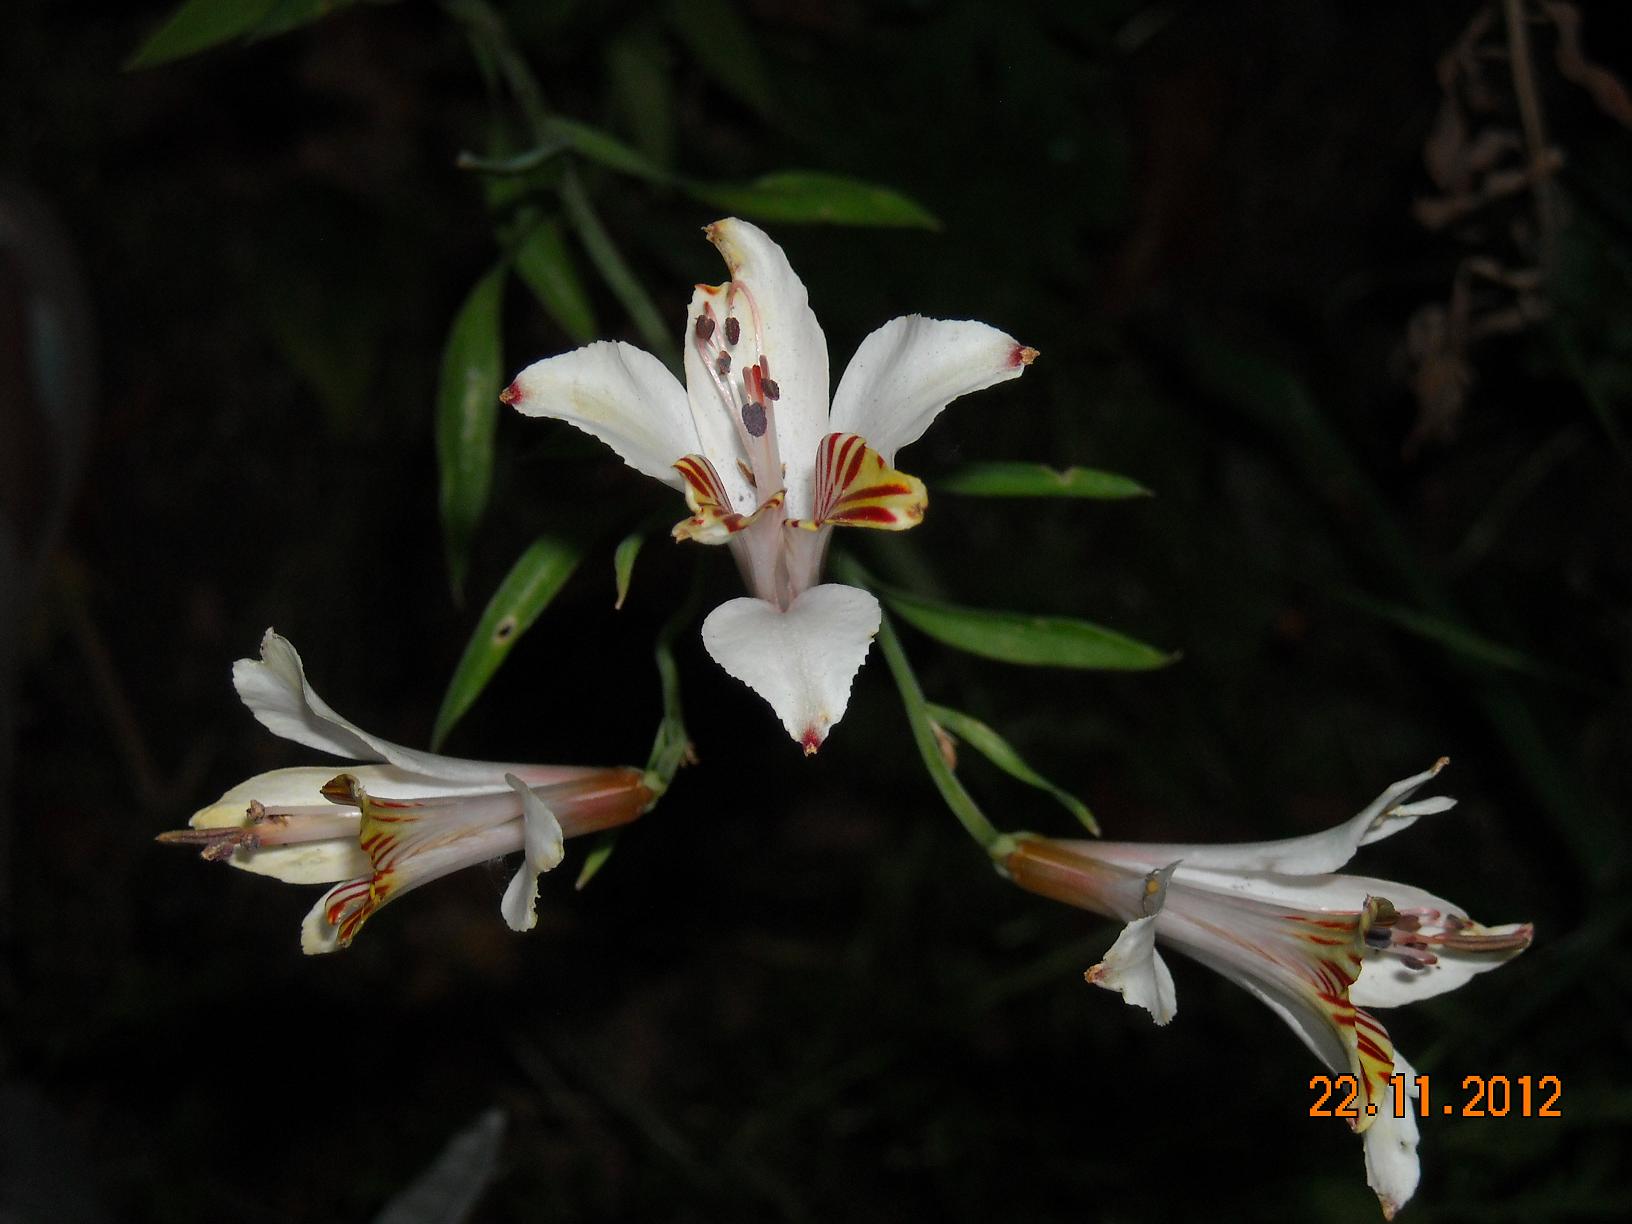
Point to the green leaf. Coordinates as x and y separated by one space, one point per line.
998 751
724 47
533 581
286 15
197 26
606 149
1013 637
448 1191
545 266
1460 640
603 252
1037 480
597 856
946 781
623 563
467 413
812 197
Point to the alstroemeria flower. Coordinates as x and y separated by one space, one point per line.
1315 946
376 831
767 468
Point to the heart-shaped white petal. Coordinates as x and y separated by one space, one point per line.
801 661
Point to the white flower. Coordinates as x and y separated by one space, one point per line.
383 829
1315 946
766 466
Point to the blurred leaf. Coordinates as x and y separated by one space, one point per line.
671 746
535 579
998 751
447 1192
813 197
1013 637
199 25
623 563
1456 638
1037 480
606 149
616 272
597 856
467 413
724 47
639 65
545 266
286 15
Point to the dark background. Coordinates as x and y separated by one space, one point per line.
797 991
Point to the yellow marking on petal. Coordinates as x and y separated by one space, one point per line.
856 488
712 520
1340 940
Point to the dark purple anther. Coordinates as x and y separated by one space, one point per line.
753 419
772 391
733 331
705 328
722 363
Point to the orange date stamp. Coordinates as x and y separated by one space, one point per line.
1481 1096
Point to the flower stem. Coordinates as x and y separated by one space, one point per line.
487 29
958 799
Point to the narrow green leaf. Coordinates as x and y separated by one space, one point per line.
1458 639
724 47
671 746
623 563
545 266
1013 637
535 579
999 752
812 197
606 149
946 781
467 412
197 26
616 272
447 1192
1037 480
286 15
597 856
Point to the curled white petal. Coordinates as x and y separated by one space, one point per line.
317 934
1133 967
1392 1165
543 848
1137 971
275 689
1317 852
803 660
620 394
905 373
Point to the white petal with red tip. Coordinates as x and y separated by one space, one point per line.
791 341
1392 1165
622 395
1135 970
1133 967
907 371
803 660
